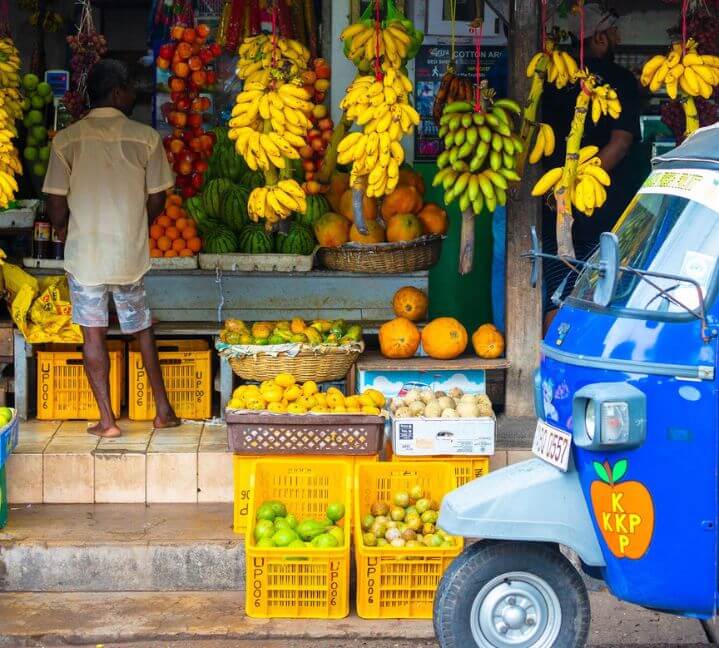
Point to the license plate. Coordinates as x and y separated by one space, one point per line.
552 445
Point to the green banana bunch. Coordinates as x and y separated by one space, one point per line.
480 156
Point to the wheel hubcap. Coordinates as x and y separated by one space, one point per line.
516 610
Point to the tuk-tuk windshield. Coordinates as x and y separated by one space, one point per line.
662 233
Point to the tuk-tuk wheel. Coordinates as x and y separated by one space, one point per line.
511 595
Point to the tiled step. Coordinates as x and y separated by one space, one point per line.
60 463
118 547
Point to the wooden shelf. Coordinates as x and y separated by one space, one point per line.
374 361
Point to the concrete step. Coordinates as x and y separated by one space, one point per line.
154 619
120 547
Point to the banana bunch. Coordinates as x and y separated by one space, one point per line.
544 143
605 101
256 57
276 202
9 64
10 110
398 42
480 156
269 123
685 71
382 108
587 192
561 68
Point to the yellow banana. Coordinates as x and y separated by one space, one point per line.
547 181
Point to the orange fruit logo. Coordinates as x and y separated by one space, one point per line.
624 512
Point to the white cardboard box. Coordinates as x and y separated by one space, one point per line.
442 436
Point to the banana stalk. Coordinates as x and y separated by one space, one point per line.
529 126
271 172
329 163
691 114
562 195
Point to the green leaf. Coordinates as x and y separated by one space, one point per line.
601 471
619 470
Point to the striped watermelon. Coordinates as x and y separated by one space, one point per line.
234 208
299 240
255 240
199 215
317 206
252 179
212 196
220 240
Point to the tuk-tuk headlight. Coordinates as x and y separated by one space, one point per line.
590 419
615 422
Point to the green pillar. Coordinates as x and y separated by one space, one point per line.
468 297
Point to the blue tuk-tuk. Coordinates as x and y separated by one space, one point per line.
627 400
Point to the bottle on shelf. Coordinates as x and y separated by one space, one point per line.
57 247
41 239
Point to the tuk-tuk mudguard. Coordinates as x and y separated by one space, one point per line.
529 501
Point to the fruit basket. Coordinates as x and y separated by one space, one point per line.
320 363
383 258
263 433
307 583
399 582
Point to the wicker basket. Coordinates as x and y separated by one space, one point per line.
384 258
331 363
264 433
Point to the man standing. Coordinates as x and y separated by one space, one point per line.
106 181
617 140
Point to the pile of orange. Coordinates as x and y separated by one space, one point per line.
173 232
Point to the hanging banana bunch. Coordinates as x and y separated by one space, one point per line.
381 107
480 156
264 56
10 111
685 74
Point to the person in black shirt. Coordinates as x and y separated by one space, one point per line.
617 140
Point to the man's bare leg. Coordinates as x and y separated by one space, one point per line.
97 368
166 416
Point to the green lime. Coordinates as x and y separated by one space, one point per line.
44 88
39 133
32 141
26 104
30 153
37 102
34 118
43 154
39 169
30 82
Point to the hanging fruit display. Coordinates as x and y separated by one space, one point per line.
10 111
38 95
189 146
260 55
316 82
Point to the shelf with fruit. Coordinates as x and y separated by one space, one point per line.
11 109
174 233
296 331
429 404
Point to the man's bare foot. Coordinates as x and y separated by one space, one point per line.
166 421
105 431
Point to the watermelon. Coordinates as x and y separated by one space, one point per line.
231 165
252 179
220 240
199 215
212 196
317 206
299 240
234 208
255 240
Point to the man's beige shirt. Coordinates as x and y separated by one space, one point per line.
106 165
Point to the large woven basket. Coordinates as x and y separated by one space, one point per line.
331 363
383 258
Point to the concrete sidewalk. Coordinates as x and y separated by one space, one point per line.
151 619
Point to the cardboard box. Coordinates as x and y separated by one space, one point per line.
443 436
391 383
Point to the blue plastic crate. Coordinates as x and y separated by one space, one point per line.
8 438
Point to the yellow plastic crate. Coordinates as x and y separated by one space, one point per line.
399 583
465 468
242 467
187 371
63 391
299 584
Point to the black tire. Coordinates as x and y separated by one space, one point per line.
482 562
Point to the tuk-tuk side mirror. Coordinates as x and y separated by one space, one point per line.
606 286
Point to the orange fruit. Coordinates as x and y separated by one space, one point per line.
163 220
172 233
170 254
173 211
194 244
164 243
179 244
151 242
155 253
189 233
173 199
186 252
156 231
181 223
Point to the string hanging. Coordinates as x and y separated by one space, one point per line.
685 8
273 58
378 35
543 10
580 8
477 32
453 29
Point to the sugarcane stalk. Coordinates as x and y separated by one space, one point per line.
562 194
528 129
329 162
690 113
466 242
358 193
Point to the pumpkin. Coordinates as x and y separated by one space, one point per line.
332 230
403 200
410 302
339 183
375 234
410 178
403 227
488 342
398 338
433 219
444 338
369 207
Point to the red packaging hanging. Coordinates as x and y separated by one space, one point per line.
232 38
477 35
378 35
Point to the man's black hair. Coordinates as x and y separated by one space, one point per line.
104 77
